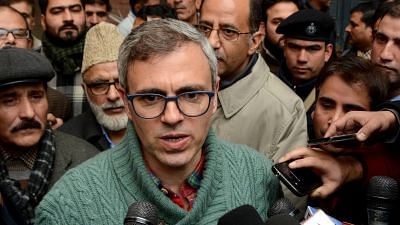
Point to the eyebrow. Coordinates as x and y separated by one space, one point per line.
178 91
64 7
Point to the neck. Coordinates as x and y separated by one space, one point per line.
16 151
172 177
116 136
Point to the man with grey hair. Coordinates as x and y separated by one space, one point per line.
105 124
169 156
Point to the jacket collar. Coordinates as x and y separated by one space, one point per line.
236 96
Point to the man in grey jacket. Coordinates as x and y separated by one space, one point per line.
255 108
32 156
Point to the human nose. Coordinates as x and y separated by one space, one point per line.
214 39
67 16
386 53
347 29
338 113
26 109
10 39
171 115
113 93
302 57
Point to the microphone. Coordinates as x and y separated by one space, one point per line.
282 219
141 213
382 196
284 206
242 215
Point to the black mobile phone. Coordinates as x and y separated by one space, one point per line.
345 139
300 181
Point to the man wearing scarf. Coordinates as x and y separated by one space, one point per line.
32 156
63 22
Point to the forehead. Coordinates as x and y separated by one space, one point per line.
61 3
340 91
21 88
96 6
304 43
184 67
356 16
102 71
23 6
281 9
390 27
233 12
10 19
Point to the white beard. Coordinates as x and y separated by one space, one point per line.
113 123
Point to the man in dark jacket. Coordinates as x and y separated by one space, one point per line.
32 156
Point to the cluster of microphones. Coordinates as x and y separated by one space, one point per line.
382 209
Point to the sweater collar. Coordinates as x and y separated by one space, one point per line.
130 169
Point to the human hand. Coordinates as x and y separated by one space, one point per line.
333 171
367 124
54 121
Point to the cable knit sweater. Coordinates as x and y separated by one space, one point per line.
101 190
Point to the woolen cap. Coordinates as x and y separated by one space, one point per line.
101 45
308 24
18 65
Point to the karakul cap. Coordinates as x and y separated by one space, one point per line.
101 45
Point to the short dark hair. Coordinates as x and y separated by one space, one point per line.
386 8
101 2
368 10
163 11
44 3
358 71
257 14
269 3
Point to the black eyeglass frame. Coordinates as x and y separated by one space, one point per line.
26 31
207 34
90 86
167 99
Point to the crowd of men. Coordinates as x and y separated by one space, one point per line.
190 102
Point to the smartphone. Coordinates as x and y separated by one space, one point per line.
300 181
345 139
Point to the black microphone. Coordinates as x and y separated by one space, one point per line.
382 197
141 213
282 219
284 206
242 215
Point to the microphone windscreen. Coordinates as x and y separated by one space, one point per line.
383 193
141 213
242 215
281 206
282 219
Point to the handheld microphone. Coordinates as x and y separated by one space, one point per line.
242 215
282 219
284 206
382 197
141 213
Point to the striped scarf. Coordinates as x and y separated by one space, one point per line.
25 201
66 59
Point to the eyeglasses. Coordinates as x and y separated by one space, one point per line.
101 88
228 34
191 104
17 33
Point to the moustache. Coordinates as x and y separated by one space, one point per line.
110 105
219 56
26 124
68 25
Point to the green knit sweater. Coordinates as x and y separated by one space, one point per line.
100 190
